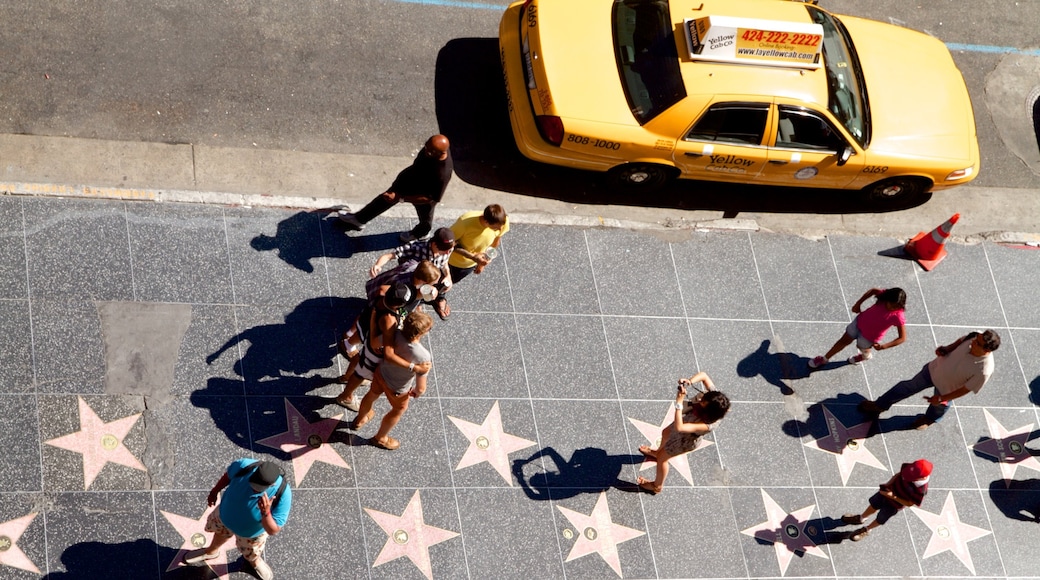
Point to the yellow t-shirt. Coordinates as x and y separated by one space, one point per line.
472 236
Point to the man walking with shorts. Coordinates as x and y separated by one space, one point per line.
255 504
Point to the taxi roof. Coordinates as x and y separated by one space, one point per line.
709 78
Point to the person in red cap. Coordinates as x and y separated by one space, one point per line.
906 488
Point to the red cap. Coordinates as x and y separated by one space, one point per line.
917 470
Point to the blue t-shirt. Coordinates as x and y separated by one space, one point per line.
238 505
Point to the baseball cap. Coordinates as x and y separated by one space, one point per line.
443 239
266 474
917 472
397 295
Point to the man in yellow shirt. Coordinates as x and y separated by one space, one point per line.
477 235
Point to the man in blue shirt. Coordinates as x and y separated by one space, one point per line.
255 505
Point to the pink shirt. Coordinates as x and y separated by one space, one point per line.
874 321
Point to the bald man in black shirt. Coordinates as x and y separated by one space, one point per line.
422 185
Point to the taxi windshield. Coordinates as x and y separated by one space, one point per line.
847 97
646 56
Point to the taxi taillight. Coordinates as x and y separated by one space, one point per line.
551 128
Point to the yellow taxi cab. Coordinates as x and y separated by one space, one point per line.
772 92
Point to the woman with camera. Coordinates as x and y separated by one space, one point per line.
693 418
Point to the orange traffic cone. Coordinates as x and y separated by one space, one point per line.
930 249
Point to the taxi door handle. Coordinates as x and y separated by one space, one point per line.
692 154
779 161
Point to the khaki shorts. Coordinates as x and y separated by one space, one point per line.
252 549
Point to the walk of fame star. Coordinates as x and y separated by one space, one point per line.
195 536
306 442
489 442
1008 448
652 433
949 533
847 444
10 554
786 531
598 533
408 535
99 442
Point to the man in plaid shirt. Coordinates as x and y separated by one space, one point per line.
437 250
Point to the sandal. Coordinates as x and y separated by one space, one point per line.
442 309
648 485
390 444
649 453
196 557
359 422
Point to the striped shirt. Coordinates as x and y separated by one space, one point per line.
419 250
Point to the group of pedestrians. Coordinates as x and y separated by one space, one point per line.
252 498
384 347
958 368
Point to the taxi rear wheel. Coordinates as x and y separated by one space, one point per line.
897 191
641 176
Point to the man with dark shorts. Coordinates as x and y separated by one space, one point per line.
906 488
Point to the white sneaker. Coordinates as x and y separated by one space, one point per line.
354 404
349 219
263 570
856 359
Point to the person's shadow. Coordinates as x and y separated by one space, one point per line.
1017 499
589 470
306 235
777 368
278 354
841 406
1034 391
94 560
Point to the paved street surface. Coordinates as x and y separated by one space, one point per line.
148 345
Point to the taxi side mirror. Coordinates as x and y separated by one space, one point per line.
844 156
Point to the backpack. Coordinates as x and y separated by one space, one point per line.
248 471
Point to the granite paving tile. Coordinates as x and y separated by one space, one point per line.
77 250
13 281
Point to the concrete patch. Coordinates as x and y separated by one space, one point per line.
142 340
1011 90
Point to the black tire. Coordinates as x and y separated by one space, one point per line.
641 177
901 191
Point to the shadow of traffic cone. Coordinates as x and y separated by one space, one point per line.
929 249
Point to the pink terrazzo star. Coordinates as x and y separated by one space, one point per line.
408 535
847 444
597 533
195 536
99 442
1008 448
489 442
10 554
652 433
306 442
786 531
949 533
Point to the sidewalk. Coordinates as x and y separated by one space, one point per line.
146 346
68 167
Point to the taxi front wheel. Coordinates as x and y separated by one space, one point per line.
897 191
642 177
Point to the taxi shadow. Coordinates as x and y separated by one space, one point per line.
472 111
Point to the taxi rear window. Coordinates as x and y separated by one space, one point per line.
646 56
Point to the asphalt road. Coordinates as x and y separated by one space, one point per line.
377 77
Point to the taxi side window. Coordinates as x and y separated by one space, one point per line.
801 129
743 123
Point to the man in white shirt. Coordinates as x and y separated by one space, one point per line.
958 369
